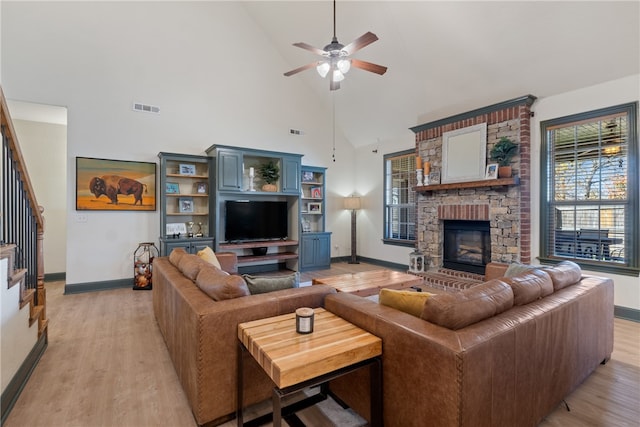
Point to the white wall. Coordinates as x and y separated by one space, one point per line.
16 337
209 69
44 148
627 288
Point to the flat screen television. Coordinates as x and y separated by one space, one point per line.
255 220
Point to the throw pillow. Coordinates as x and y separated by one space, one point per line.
220 285
564 274
410 302
176 255
264 284
455 310
208 255
529 286
190 265
516 268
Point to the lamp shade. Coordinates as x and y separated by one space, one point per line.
323 69
352 203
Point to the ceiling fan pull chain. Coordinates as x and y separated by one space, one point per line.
333 100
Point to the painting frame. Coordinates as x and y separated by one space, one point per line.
187 169
115 185
314 208
491 171
172 188
316 192
307 176
201 187
434 178
185 204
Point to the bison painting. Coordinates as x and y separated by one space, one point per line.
112 185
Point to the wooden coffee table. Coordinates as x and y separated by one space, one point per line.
369 283
296 361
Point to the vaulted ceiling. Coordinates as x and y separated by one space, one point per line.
450 57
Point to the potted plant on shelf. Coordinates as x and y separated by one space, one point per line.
503 152
270 173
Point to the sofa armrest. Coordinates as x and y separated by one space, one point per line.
228 261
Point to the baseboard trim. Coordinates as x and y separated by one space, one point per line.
54 277
76 288
19 380
626 313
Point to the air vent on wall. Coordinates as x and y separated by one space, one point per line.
146 108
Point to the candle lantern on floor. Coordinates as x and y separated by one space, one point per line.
142 265
417 262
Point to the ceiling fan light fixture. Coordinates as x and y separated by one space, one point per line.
344 65
323 69
335 57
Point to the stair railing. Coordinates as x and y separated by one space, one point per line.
21 220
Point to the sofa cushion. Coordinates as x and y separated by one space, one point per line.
176 255
220 285
208 255
455 310
529 286
564 274
516 268
410 302
264 284
190 265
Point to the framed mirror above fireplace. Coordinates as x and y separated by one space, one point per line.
464 154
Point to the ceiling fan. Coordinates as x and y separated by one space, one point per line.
336 62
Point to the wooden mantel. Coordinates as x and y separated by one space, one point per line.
469 184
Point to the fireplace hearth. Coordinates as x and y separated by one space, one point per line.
467 245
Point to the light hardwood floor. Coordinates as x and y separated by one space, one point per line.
107 365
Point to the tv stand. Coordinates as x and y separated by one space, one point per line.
274 256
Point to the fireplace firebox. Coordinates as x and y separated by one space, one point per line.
467 245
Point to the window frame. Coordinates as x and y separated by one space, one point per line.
387 240
631 267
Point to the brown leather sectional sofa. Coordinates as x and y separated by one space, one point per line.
202 338
510 369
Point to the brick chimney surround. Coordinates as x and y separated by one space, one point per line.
506 207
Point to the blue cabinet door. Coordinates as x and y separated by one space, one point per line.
291 175
229 164
315 251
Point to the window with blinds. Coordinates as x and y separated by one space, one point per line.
590 188
400 198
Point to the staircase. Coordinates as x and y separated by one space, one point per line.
22 267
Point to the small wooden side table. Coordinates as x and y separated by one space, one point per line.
296 361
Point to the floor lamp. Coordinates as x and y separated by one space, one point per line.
353 203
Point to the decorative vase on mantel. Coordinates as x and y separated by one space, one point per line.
502 152
504 171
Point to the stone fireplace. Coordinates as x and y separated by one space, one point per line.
501 206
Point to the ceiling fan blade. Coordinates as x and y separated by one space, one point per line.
333 85
299 69
368 66
362 41
310 48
